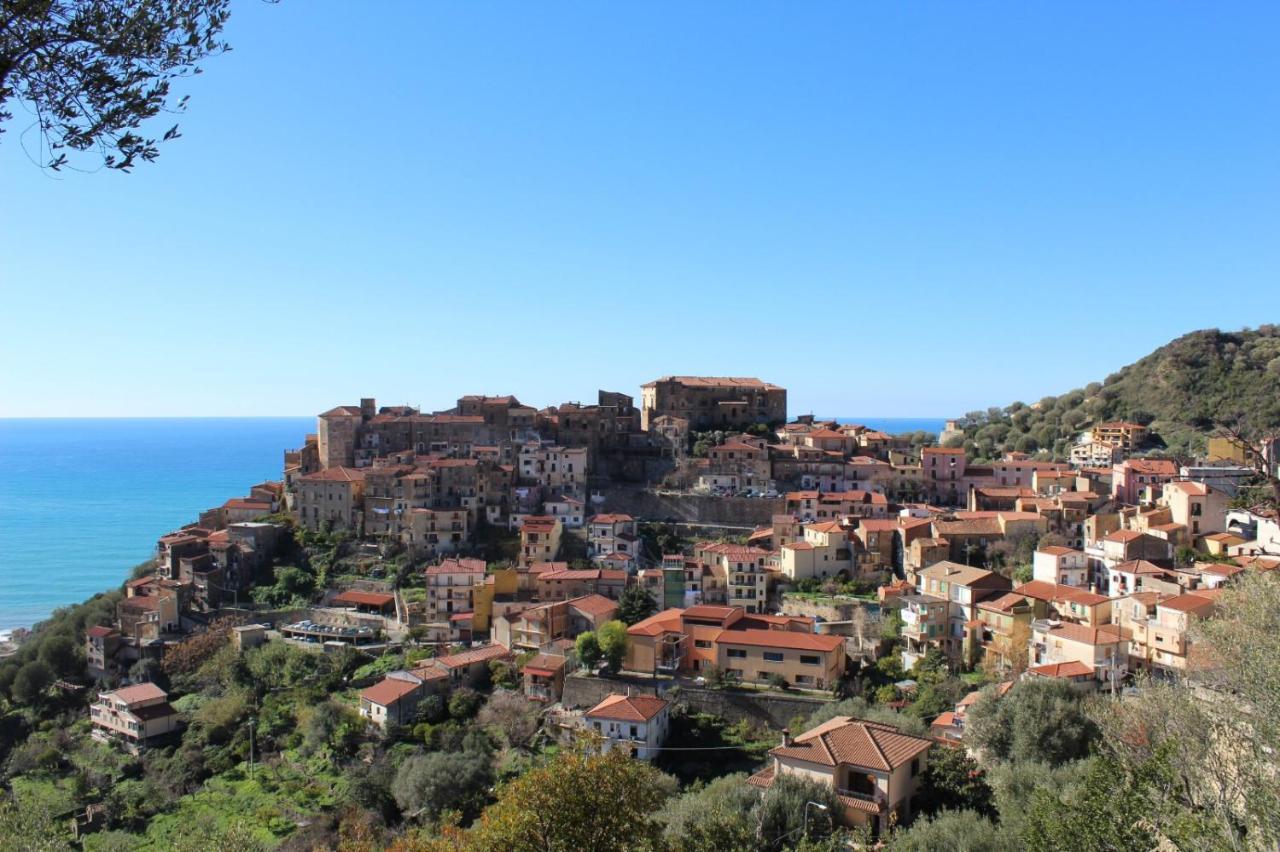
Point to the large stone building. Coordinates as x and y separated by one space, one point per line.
709 402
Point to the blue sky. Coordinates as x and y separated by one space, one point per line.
892 209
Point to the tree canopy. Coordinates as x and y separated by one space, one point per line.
93 72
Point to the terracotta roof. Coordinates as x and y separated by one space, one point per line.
137 692
844 740
954 572
826 527
1004 603
343 410
628 708
972 697
154 711
583 574
475 655
99 631
946 719
655 625
1105 634
458 566
714 382
335 474
1073 668
597 606
1196 602
1139 566
1056 550
388 691
352 596
1193 489
1045 591
544 664
610 519
1124 535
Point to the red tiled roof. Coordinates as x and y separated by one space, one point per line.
1105 634
1046 591
335 474
1197 602
388 691
99 631
1073 668
628 708
458 566
666 621
597 606
475 655
137 692
546 665
354 597
611 519
844 740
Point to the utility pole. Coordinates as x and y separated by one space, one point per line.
251 720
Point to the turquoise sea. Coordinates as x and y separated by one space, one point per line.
83 500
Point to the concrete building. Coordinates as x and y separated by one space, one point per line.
1059 565
134 716
333 497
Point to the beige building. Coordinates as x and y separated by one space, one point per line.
739 572
1161 640
1104 649
560 470
636 723
1197 507
332 497
823 551
1063 566
875 770
712 402
135 716
540 539
451 587
748 646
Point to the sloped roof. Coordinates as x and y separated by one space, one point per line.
388 691
137 692
845 740
628 708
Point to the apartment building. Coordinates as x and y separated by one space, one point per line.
739 572
451 587
1103 649
611 533
751 647
540 539
1062 566
564 584
1197 507
559 470
1160 641
823 551
962 588
333 497
534 628
136 717
1132 480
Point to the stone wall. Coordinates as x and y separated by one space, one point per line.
774 709
648 504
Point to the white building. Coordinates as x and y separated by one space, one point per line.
638 723
1062 566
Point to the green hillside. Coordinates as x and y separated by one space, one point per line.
1180 390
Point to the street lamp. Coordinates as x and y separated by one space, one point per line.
820 806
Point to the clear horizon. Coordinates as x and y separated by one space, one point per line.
882 208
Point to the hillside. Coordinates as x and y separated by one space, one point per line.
1180 390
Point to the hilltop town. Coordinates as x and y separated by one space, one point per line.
864 623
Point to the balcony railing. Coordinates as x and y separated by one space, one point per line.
876 798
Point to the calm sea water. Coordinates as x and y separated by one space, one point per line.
83 501
898 425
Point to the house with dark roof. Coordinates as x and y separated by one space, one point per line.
875 770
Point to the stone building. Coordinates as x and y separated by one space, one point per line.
713 402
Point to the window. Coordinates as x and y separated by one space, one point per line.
810 660
915 767
737 654
701 643
773 656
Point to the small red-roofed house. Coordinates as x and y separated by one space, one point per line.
136 716
874 769
637 723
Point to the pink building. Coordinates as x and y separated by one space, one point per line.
1131 476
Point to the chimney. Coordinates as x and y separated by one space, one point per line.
786 737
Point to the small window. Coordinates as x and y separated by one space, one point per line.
737 653
773 656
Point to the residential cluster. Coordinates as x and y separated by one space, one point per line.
1124 551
